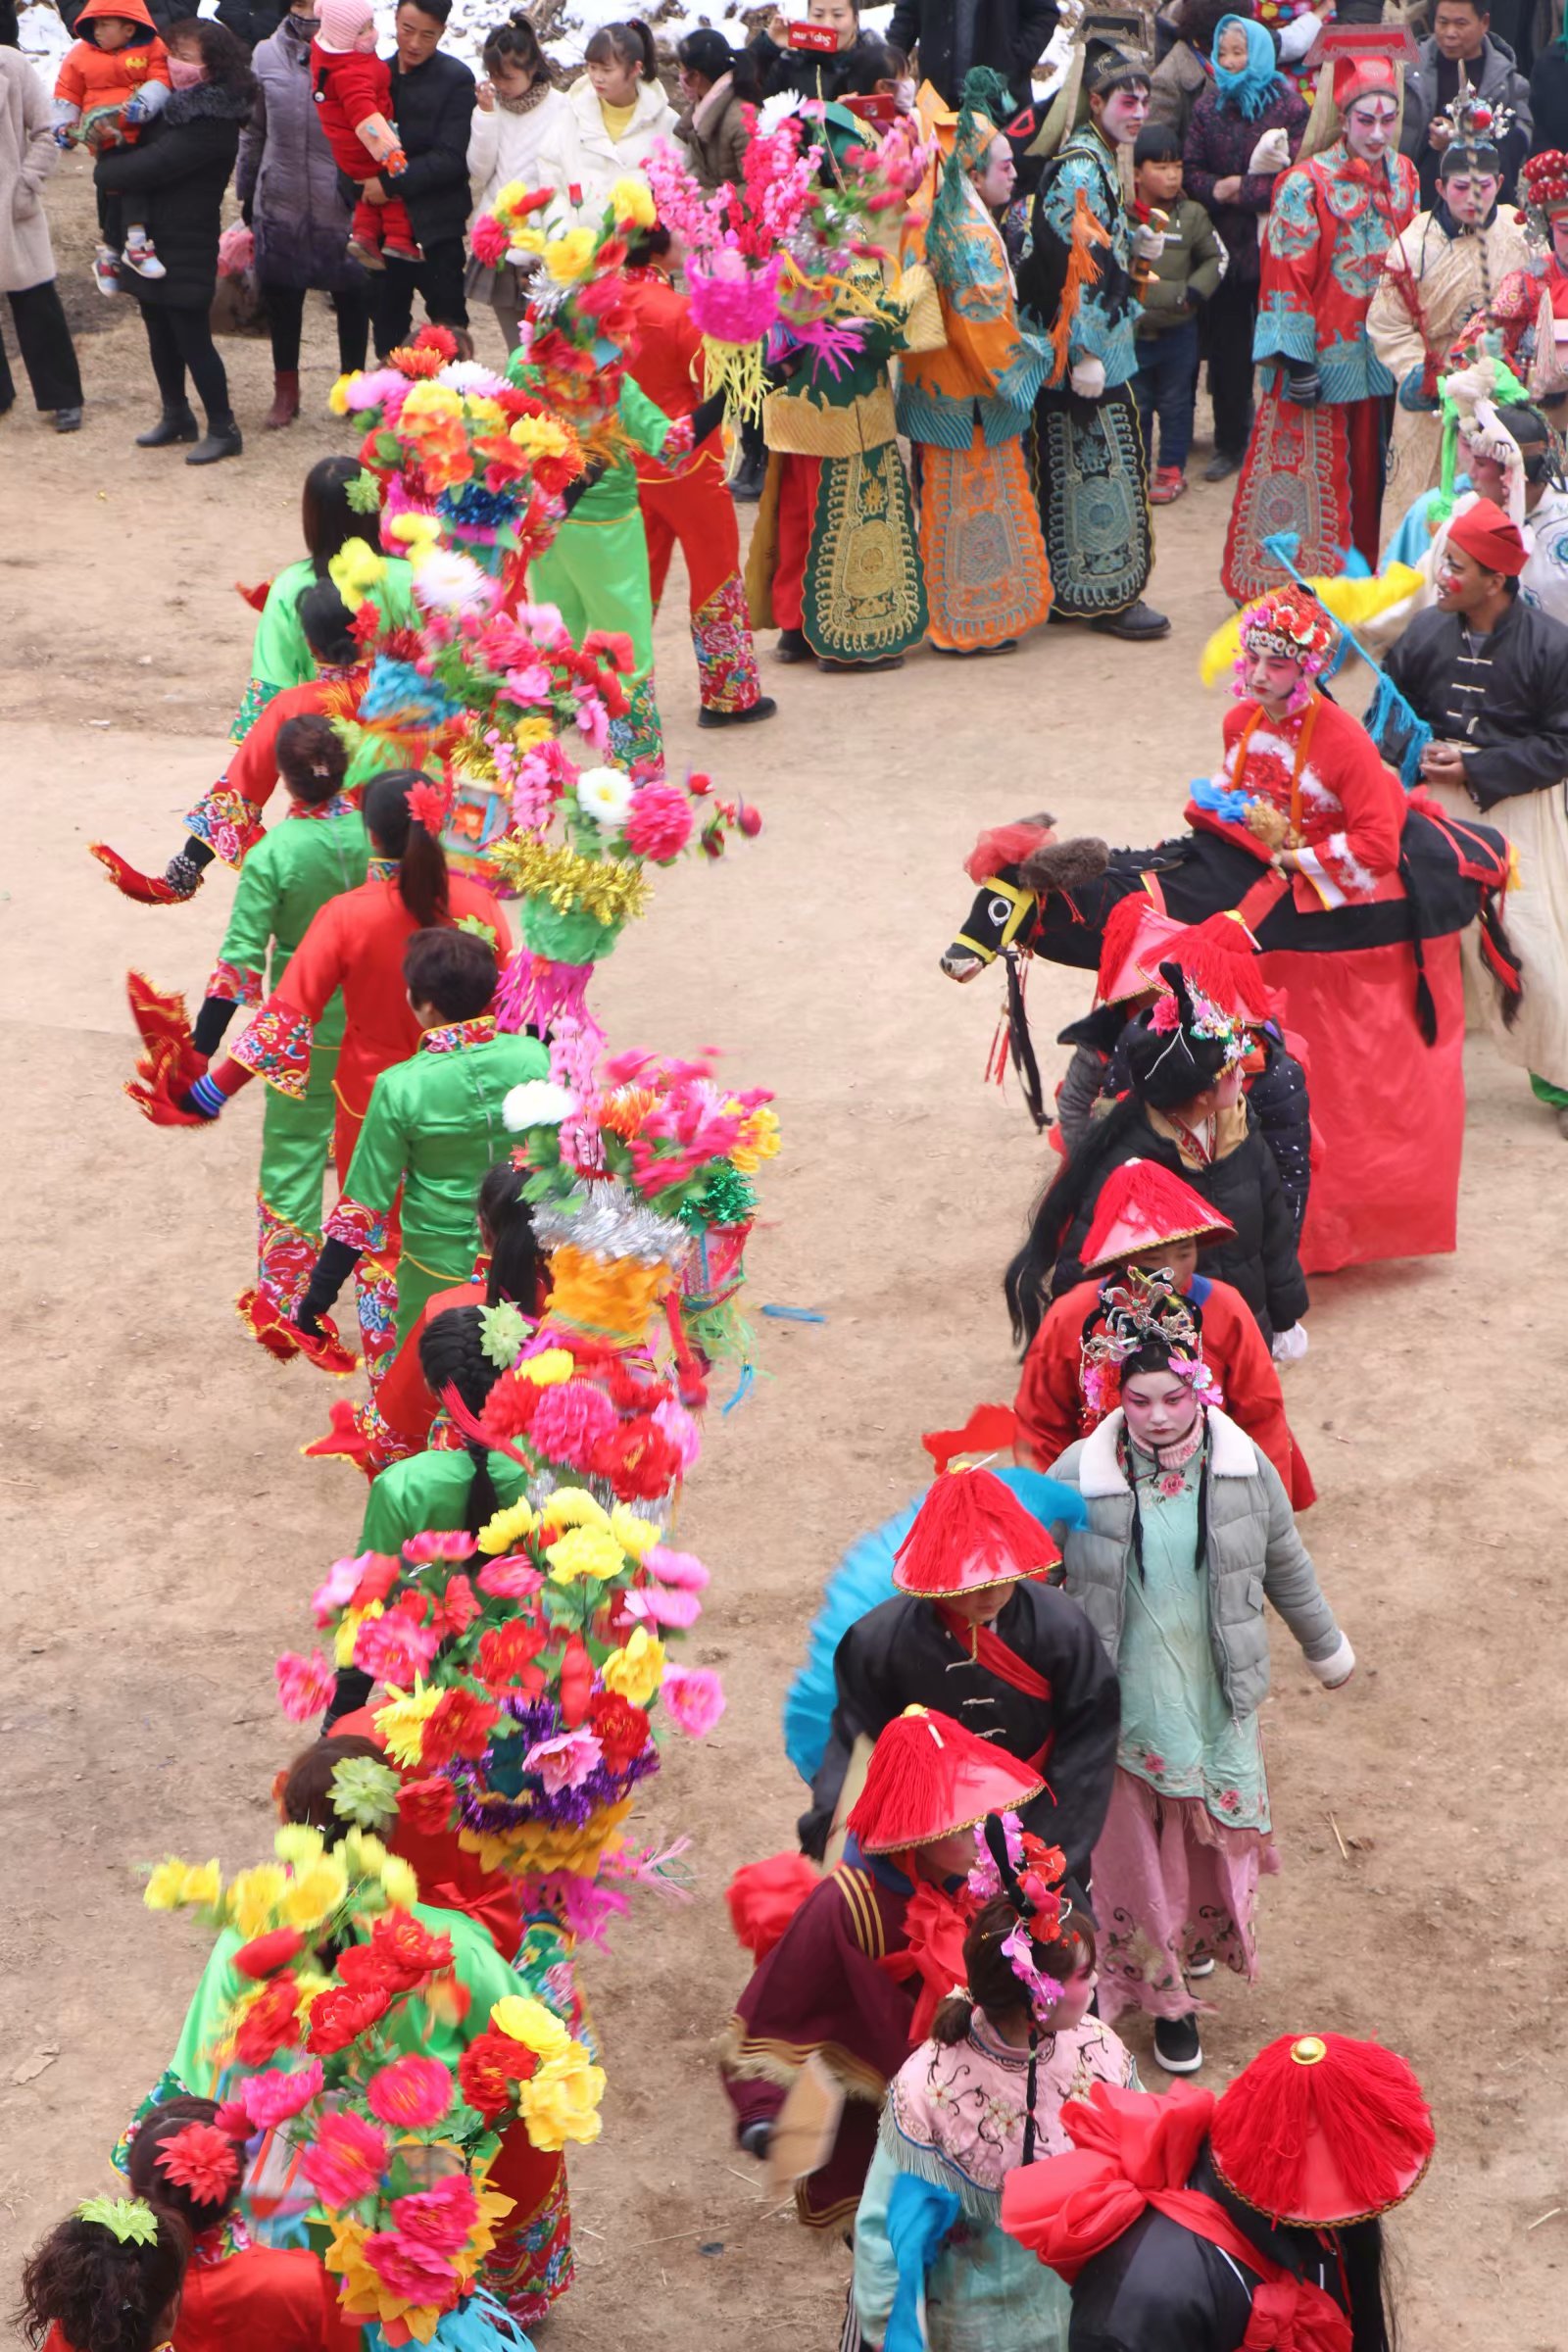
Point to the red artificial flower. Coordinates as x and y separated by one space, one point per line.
425 1805
506 1653
265 1955
407 1950
270 2024
359 1970
458 1724
410 360
438 339
202 2161
378 1579
508 1409
365 624
459 1605
489 240
576 1681
621 1728
430 807
488 2068
339 2017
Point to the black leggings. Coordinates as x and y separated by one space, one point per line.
285 315
182 340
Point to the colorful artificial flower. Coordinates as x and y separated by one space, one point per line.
758 1141
411 2094
439 1544
572 1506
173 1884
415 2274
265 1955
694 1698
679 1568
273 2098
560 2102
522 2019
621 1729
634 1673
636 1536
399 1882
402 1719
405 1951
346 2159
459 1726
340 2015
504 1529
632 202
392 1648
570 254
487 2070
585 1554
270 2024
305 1686
129 2220
425 1805
566 1761
538 1103
659 822
364 1793
253 1899
315 1893
202 2161
511 1580
439 2218
605 794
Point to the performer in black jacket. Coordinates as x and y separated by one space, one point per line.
1489 674
973 1635
432 106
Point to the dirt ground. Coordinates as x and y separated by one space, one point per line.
165 1532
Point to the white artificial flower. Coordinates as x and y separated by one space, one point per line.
605 794
540 1103
776 110
471 375
446 580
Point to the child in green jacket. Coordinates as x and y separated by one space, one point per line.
1180 283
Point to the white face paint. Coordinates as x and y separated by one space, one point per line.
1369 127
1126 111
1271 678
1471 195
1559 240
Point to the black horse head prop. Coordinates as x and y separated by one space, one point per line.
1015 866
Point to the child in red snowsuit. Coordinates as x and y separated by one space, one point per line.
352 89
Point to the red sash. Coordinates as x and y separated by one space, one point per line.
935 1924
1131 2151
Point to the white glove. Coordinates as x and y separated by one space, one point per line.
1087 377
1336 1670
1298 35
1148 242
1291 1346
1272 154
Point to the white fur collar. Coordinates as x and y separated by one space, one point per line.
1231 1455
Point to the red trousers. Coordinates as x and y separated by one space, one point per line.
695 509
1363 425
376 224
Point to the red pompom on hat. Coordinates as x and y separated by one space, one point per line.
929 1778
765 1896
1132 944
1219 958
972 1530
1007 845
1484 532
1142 1204
1322 2131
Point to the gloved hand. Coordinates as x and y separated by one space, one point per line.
1272 154
1148 242
1087 377
1302 386
1291 1346
1413 392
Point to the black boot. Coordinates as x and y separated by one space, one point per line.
222 441
177 424
745 484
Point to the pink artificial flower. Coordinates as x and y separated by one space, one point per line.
233 2119
394 1649
529 683
438 2220
682 1568
346 2159
342 1582
593 724
569 1420
409 2270
271 2098
694 1698
663 1605
510 1580
564 1762
438 1543
489 240
305 1686
675 1422
411 2093
657 823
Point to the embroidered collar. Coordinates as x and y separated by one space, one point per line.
338 806
225 2238
457 1034
381 869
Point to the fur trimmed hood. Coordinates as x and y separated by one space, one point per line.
1231 1455
209 102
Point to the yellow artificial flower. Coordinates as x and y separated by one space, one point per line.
553 1364
561 2101
480 408
527 735
633 200
413 531
540 1849
430 399
164 1890
758 1140
636 1671
399 1882
585 1554
514 192
572 1506
522 2019
635 1535
566 256
528 240
401 1721
315 1893
540 436
348 1627
311 1981
202 1886
355 571
254 1897
363 1855
297 1843
337 400
505 1528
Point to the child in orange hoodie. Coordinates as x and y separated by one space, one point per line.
352 89
113 79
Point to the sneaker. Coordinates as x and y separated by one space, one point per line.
1196 1969
1169 484
68 421
143 259
1221 466
366 255
105 270
1177 2047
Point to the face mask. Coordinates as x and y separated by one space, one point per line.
183 74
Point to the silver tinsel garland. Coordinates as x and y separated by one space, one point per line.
608 1221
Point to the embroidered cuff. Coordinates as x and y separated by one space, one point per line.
360 1226
226 821
1322 881
276 1047
234 984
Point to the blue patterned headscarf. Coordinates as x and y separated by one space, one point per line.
1248 92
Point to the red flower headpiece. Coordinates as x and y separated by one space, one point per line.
202 2161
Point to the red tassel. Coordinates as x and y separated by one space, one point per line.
765 1896
990 1428
970 1531
1219 958
1351 2125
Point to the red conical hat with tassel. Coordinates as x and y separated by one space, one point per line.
1136 936
1142 1204
1322 2131
929 1778
1219 957
972 1530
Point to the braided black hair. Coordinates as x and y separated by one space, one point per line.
452 1355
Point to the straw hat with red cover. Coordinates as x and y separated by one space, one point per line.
1143 1205
972 1530
929 1778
